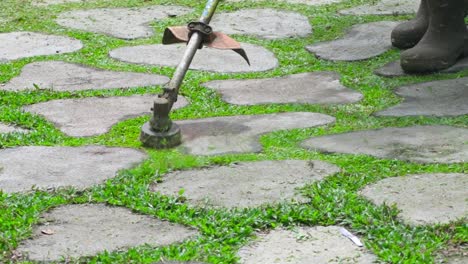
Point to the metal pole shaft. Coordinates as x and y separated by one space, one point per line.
192 46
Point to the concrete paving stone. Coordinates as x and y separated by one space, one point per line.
5 128
63 76
393 69
245 184
124 23
437 98
17 45
304 245
361 42
55 2
307 2
384 7
424 198
207 59
263 23
240 134
425 144
304 88
88 229
458 260
22 168
94 116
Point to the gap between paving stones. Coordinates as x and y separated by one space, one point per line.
305 88
79 167
94 116
207 59
424 198
245 184
262 23
63 76
304 245
86 230
240 134
17 45
124 23
360 42
424 144
437 98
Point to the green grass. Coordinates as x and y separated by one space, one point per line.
334 201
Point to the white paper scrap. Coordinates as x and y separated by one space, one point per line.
352 237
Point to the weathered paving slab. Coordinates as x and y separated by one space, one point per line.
361 42
17 45
304 245
437 98
245 184
63 76
55 2
124 23
86 230
393 69
426 144
424 198
5 128
206 59
263 23
305 88
239 134
307 2
80 167
94 116
384 7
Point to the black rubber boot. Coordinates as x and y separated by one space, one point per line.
443 42
406 35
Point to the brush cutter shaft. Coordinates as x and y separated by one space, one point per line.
195 42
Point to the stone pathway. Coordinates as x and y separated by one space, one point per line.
124 23
359 43
72 231
206 59
5 128
80 167
425 198
245 184
263 23
427 144
63 76
239 134
17 45
304 88
86 230
393 69
304 245
438 98
384 7
94 116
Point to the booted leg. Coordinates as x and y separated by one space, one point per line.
408 34
443 42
